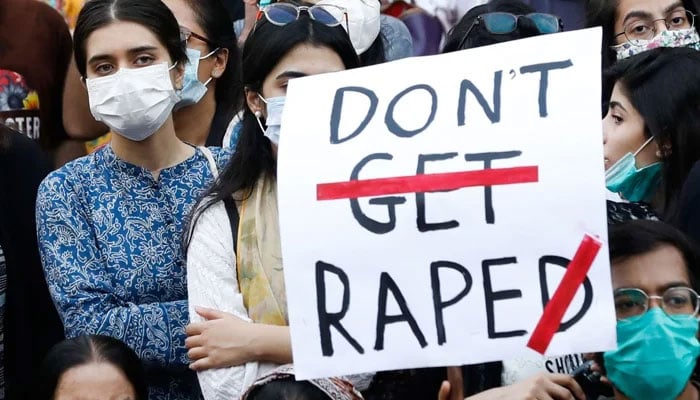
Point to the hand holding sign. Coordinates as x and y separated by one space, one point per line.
439 219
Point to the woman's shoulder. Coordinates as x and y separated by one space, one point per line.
221 155
210 217
78 170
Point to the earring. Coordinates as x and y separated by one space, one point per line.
659 154
257 114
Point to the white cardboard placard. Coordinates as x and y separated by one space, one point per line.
417 270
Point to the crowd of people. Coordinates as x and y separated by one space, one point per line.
140 253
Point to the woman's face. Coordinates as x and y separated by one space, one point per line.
623 132
630 12
302 60
94 381
212 66
124 44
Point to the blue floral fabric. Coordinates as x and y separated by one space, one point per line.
110 238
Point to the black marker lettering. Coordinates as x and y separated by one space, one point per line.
544 69
587 288
488 192
386 285
438 304
493 113
338 109
491 297
394 127
390 202
326 319
423 225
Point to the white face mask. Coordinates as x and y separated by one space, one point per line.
363 21
275 106
133 103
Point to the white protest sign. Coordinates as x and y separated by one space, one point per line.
429 209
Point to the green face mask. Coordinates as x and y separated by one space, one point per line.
633 184
655 357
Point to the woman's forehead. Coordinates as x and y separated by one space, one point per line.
120 36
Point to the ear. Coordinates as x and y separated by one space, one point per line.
253 100
664 149
220 62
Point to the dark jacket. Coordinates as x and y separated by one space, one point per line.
31 324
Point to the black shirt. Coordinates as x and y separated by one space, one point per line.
31 325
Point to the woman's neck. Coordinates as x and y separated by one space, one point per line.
159 151
193 123
658 202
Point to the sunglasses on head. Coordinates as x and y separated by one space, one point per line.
281 14
502 23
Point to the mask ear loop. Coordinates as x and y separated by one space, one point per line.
257 118
258 114
643 146
211 53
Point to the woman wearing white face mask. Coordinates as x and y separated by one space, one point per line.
110 224
243 331
650 133
210 95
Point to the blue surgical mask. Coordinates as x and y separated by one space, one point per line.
655 357
275 106
192 89
633 184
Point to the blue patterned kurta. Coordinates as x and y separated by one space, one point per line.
110 239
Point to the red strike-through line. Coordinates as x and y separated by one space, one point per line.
426 183
556 308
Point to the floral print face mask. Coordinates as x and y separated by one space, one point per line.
676 38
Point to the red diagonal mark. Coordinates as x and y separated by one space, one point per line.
426 183
564 295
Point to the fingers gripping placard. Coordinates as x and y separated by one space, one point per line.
431 208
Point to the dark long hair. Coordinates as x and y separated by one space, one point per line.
479 36
603 13
152 14
214 19
263 49
84 350
289 389
664 86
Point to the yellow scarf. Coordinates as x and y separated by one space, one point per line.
259 256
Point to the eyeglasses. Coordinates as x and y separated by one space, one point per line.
281 14
501 23
186 34
639 31
631 302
